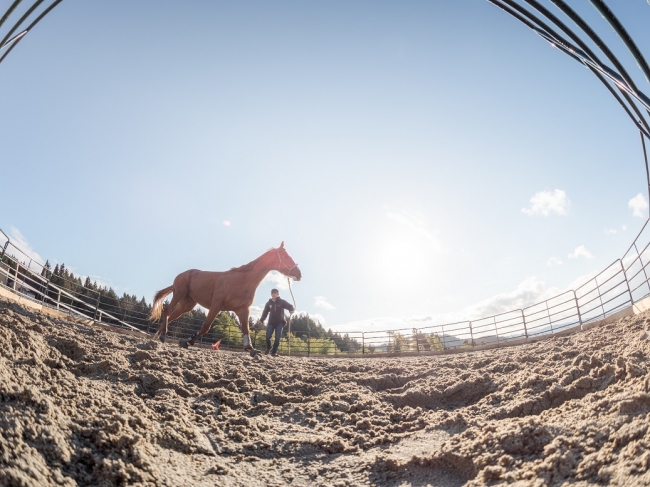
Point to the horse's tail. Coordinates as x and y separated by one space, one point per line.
156 308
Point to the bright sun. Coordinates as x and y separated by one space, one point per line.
401 256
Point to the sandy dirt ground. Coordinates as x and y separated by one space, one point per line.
83 406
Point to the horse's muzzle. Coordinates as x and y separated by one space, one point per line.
296 274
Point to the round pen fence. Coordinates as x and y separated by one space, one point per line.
618 287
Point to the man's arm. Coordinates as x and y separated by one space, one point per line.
288 306
265 313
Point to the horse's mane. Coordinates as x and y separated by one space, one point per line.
249 266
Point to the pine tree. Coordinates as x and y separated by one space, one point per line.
47 270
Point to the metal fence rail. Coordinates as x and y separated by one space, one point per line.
618 286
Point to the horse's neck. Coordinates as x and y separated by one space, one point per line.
265 263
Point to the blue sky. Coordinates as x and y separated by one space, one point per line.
419 160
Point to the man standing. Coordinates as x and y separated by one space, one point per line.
275 311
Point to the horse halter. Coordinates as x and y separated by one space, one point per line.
289 269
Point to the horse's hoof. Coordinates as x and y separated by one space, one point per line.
162 338
183 344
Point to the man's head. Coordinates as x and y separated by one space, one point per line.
275 293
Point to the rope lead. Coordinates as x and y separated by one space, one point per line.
295 307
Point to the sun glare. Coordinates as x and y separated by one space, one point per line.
402 257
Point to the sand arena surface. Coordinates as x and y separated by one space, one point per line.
84 406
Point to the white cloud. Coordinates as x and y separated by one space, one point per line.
638 205
581 252
528 292
611 231
256 312
321 302
19 240
278 280
624 227
553 261
547 202
226 223
418 319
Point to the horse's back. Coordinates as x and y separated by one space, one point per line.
196 275
197 284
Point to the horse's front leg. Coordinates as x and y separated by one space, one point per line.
243 315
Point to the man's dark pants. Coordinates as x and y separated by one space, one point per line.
278 334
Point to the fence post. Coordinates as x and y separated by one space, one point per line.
496 331
523 318
626 281
308 344
548 315
4 249
642 267
99 297
47 290
444 344
575 298
16 276
363 343
100 315
471 334
602 306
58 299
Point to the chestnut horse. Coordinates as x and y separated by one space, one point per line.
232 290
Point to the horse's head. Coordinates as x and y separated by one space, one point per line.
286 265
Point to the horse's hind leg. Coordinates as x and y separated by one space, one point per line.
162 329
186 304
212 314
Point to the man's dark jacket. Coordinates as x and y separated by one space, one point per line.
275 311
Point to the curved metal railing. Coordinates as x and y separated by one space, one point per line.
33 15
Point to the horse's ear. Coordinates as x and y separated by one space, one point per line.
282 245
